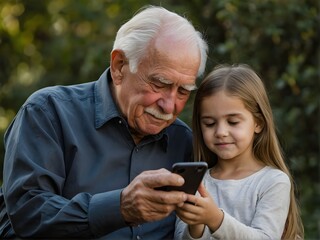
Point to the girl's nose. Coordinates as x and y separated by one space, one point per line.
221 130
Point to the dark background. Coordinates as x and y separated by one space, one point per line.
52 42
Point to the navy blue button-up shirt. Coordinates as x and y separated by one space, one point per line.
69 154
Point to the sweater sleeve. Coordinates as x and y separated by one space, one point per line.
270 215
182 232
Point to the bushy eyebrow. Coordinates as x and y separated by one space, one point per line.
188 87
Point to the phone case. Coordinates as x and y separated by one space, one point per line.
192 172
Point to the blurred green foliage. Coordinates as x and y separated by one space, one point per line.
54 42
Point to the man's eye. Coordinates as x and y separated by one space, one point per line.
158 84
183 91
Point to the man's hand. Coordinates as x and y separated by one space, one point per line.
140 202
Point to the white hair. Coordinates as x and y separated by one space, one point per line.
134 37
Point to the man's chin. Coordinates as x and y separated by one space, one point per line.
152 129
153 126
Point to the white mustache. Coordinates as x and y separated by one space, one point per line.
158 115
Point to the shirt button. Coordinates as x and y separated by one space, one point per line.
138 237
137 149
120 122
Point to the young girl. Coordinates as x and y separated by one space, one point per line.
248 193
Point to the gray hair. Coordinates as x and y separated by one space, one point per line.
134 37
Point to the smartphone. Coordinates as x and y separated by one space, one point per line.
192 172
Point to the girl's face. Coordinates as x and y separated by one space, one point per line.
228 128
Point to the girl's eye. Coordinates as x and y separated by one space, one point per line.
209 124
233 122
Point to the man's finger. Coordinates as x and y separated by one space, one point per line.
168 197
161 177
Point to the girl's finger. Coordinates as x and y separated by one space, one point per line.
203 191
192 199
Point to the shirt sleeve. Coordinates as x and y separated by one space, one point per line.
34 175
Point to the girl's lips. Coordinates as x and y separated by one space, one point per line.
222 144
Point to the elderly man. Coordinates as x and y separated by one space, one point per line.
84 161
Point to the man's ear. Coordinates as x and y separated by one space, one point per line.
118 60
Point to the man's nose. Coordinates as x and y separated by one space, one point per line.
167 102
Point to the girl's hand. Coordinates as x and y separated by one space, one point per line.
196 231
201 210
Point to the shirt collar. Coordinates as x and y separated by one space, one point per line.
106 109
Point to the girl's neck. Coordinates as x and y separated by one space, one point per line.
224 170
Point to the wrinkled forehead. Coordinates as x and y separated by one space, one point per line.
179 58
173 45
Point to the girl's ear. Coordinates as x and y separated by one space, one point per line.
118 60
258 128
259 125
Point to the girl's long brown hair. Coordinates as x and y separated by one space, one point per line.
241 81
